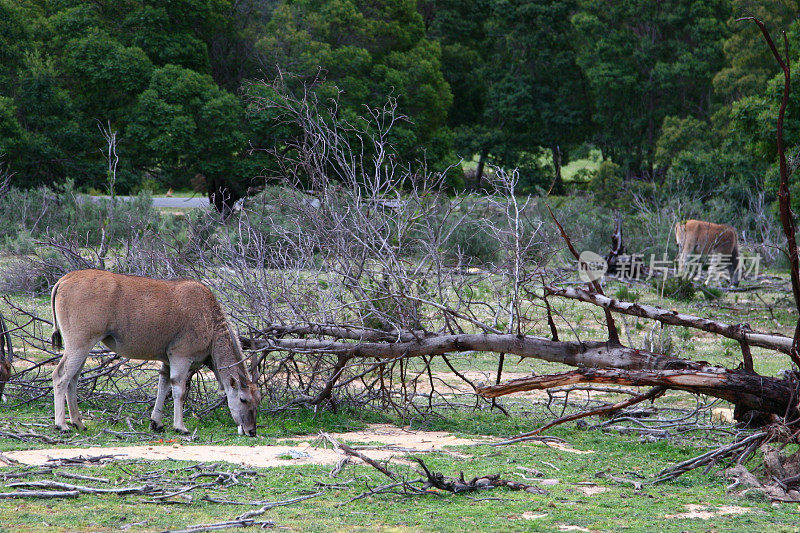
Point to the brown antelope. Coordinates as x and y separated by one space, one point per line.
178 322
707 238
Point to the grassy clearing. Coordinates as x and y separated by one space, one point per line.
611 506
618 506
589 163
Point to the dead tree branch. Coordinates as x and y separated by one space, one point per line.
594 354
784 198
746 390
652 394
739 332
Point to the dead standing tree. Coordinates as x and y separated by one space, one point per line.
746 389
382 307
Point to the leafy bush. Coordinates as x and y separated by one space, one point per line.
607 185
711 293
34 214
469 242
678 288
626 295
21 243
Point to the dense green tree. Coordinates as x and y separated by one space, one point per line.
185 124
104 76
753 120
361 53
667 89
69 65
460 28
679 135
516 86
749 64
15 34
645 61
538 95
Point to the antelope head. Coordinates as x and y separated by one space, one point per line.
243 399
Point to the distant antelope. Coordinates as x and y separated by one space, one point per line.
707 238
178 322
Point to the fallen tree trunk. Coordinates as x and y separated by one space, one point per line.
593 354
739 332
343 332
744 389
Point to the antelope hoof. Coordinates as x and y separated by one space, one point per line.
182 431
156 426
77 425
63 429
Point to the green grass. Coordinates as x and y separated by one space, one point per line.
592 162
568 171
620 507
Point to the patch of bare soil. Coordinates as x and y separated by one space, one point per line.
385 441
591 490
704 512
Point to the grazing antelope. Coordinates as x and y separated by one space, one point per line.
178 322
707 238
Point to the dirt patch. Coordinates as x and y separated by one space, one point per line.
529 515
391 441
704 512
591 490
383 442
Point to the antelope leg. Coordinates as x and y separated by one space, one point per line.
178 374
65 386
161 397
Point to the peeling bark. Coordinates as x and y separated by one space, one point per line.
594 354
746 390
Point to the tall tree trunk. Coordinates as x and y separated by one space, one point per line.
479 170
222 196
557 187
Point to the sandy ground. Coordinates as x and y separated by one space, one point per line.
385 441
704 512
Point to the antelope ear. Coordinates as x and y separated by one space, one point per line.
234 383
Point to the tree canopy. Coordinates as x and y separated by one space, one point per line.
658 88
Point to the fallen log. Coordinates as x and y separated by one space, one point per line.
40 494
342 332
47 484
595 354
746 390
739 332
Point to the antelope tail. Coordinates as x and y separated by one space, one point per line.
55 339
